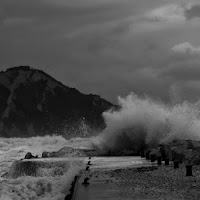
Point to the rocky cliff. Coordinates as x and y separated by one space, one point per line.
33 103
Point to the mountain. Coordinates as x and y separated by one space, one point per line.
33 103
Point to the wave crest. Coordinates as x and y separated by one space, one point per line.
145 122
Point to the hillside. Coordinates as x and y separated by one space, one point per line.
33 103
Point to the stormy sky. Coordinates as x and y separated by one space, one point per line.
107 47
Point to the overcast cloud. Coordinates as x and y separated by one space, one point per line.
107 47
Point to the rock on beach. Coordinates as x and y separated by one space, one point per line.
161 183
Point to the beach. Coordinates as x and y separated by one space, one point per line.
142 183
165 182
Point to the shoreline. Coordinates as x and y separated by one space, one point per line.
148 183
165 182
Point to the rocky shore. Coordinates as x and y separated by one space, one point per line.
154 182
162 183
150 183
182 151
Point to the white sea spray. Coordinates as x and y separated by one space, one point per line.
143 121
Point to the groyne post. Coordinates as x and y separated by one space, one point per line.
166 161
87 168
142 154
188 170
147 155
89 163
153 158
85 182
176 164
159 160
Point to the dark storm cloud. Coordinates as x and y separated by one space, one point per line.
39 19
42 22
107 47
183 63
193 12
69 15
183 69
66 38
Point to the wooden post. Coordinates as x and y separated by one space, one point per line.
176 164
166 161
85 182
188 170
147 155
162 151
153 158
87 168
159 160
89 162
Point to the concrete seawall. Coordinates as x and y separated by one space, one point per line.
101 183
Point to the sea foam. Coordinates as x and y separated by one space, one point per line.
142 121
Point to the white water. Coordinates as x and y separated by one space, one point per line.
49 186
119 162
140 121
144 121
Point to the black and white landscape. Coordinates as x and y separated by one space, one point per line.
99 99
33 103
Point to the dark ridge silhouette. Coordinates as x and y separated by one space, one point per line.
34 103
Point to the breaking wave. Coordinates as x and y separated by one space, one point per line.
144 121
52 183
46 187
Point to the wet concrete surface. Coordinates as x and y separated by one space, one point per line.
101 183
119 162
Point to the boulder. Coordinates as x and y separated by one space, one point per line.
45 154
29 156
186 151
